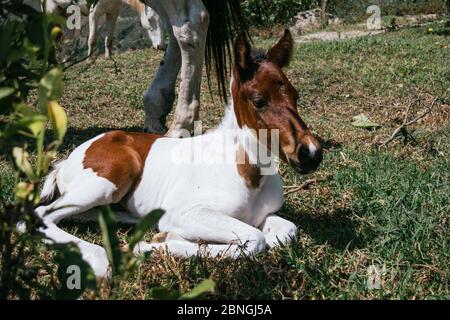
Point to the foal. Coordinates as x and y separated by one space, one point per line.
229 205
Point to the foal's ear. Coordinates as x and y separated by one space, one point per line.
242 59
281 53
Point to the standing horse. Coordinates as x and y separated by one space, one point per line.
226 200
149 19
190 40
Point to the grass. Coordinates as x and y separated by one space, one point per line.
387 207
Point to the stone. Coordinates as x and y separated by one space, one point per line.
308 20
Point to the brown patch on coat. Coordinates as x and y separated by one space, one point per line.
120 157
251 173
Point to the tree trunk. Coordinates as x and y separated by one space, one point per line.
324 14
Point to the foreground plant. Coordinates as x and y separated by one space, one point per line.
31 266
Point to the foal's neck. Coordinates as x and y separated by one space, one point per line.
245 138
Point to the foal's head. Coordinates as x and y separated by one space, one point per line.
264 98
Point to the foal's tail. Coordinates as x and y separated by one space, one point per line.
225 22
50 188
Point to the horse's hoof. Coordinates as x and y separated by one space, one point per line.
161 47
178 133
155 126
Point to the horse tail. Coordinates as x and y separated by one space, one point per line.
50 187
226 21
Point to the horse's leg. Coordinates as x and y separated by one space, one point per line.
278 230
52 7
190 21
94 20
159 97
224 235
111 18
82 195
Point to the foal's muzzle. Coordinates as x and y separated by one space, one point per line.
309 159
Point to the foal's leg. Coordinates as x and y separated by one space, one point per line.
224 235
159 97
278 230
190 22
82 195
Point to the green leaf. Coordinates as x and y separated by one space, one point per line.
149 221
207 285
36 31
21 160
48 158
6 32
22 190
108 225
362 121
58 118
50 87
162 293
6 91
34 124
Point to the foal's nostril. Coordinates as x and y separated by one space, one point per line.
303 154
310 158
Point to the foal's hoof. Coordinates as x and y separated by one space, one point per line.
98 261
143 247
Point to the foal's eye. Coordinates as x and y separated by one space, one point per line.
259 103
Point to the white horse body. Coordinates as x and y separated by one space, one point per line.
212 187
173 182
190 194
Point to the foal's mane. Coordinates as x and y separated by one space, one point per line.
258 56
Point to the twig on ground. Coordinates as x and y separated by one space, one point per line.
406 123
305 185
75 62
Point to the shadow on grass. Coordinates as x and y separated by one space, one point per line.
74 137
338 229
329 144
86 228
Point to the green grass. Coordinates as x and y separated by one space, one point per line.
389 207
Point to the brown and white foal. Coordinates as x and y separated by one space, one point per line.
214 187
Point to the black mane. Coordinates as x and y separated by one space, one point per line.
258 56
225 23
